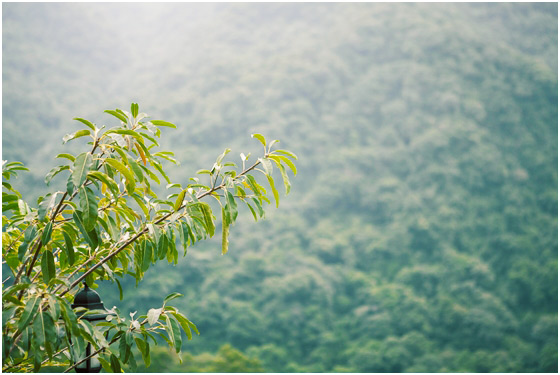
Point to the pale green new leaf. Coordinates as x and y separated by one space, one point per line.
287 153
130 183
70 157
85 122
118 115
274 191
179 201
163 123
260 138
136 169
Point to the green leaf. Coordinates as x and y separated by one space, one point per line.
267 165
130 183
179 200
118 115
136 169
106 365
90 237
53 172
274 191
78 134
115 364
287 153
172 296
85 122
46 204
44 331
134 109
174 332
82 165
260 138
120 289
157 166
285 178
147 260
138 200
163 123
144 348
259 206
222 156
252 210
69 248
46 236
100 176
231 207
288 162
124 349
88 205
47 266
66 156
254 185
29 312
206 211
184 322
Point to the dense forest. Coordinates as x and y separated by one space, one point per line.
421 232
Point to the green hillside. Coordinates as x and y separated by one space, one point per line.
421 233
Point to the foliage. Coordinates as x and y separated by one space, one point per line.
227 360
423 233
109 223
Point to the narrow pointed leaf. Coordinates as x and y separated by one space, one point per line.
118 115
179 201
130 183
88 205
82 165
53 172
85 122
260 138
69 248
47 266
163 123
29 312
274 191
78 134
46 236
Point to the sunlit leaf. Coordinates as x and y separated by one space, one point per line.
163 123
78 134
260 138
85 122
118 115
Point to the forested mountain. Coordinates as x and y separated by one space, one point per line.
421 233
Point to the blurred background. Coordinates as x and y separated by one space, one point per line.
421 233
